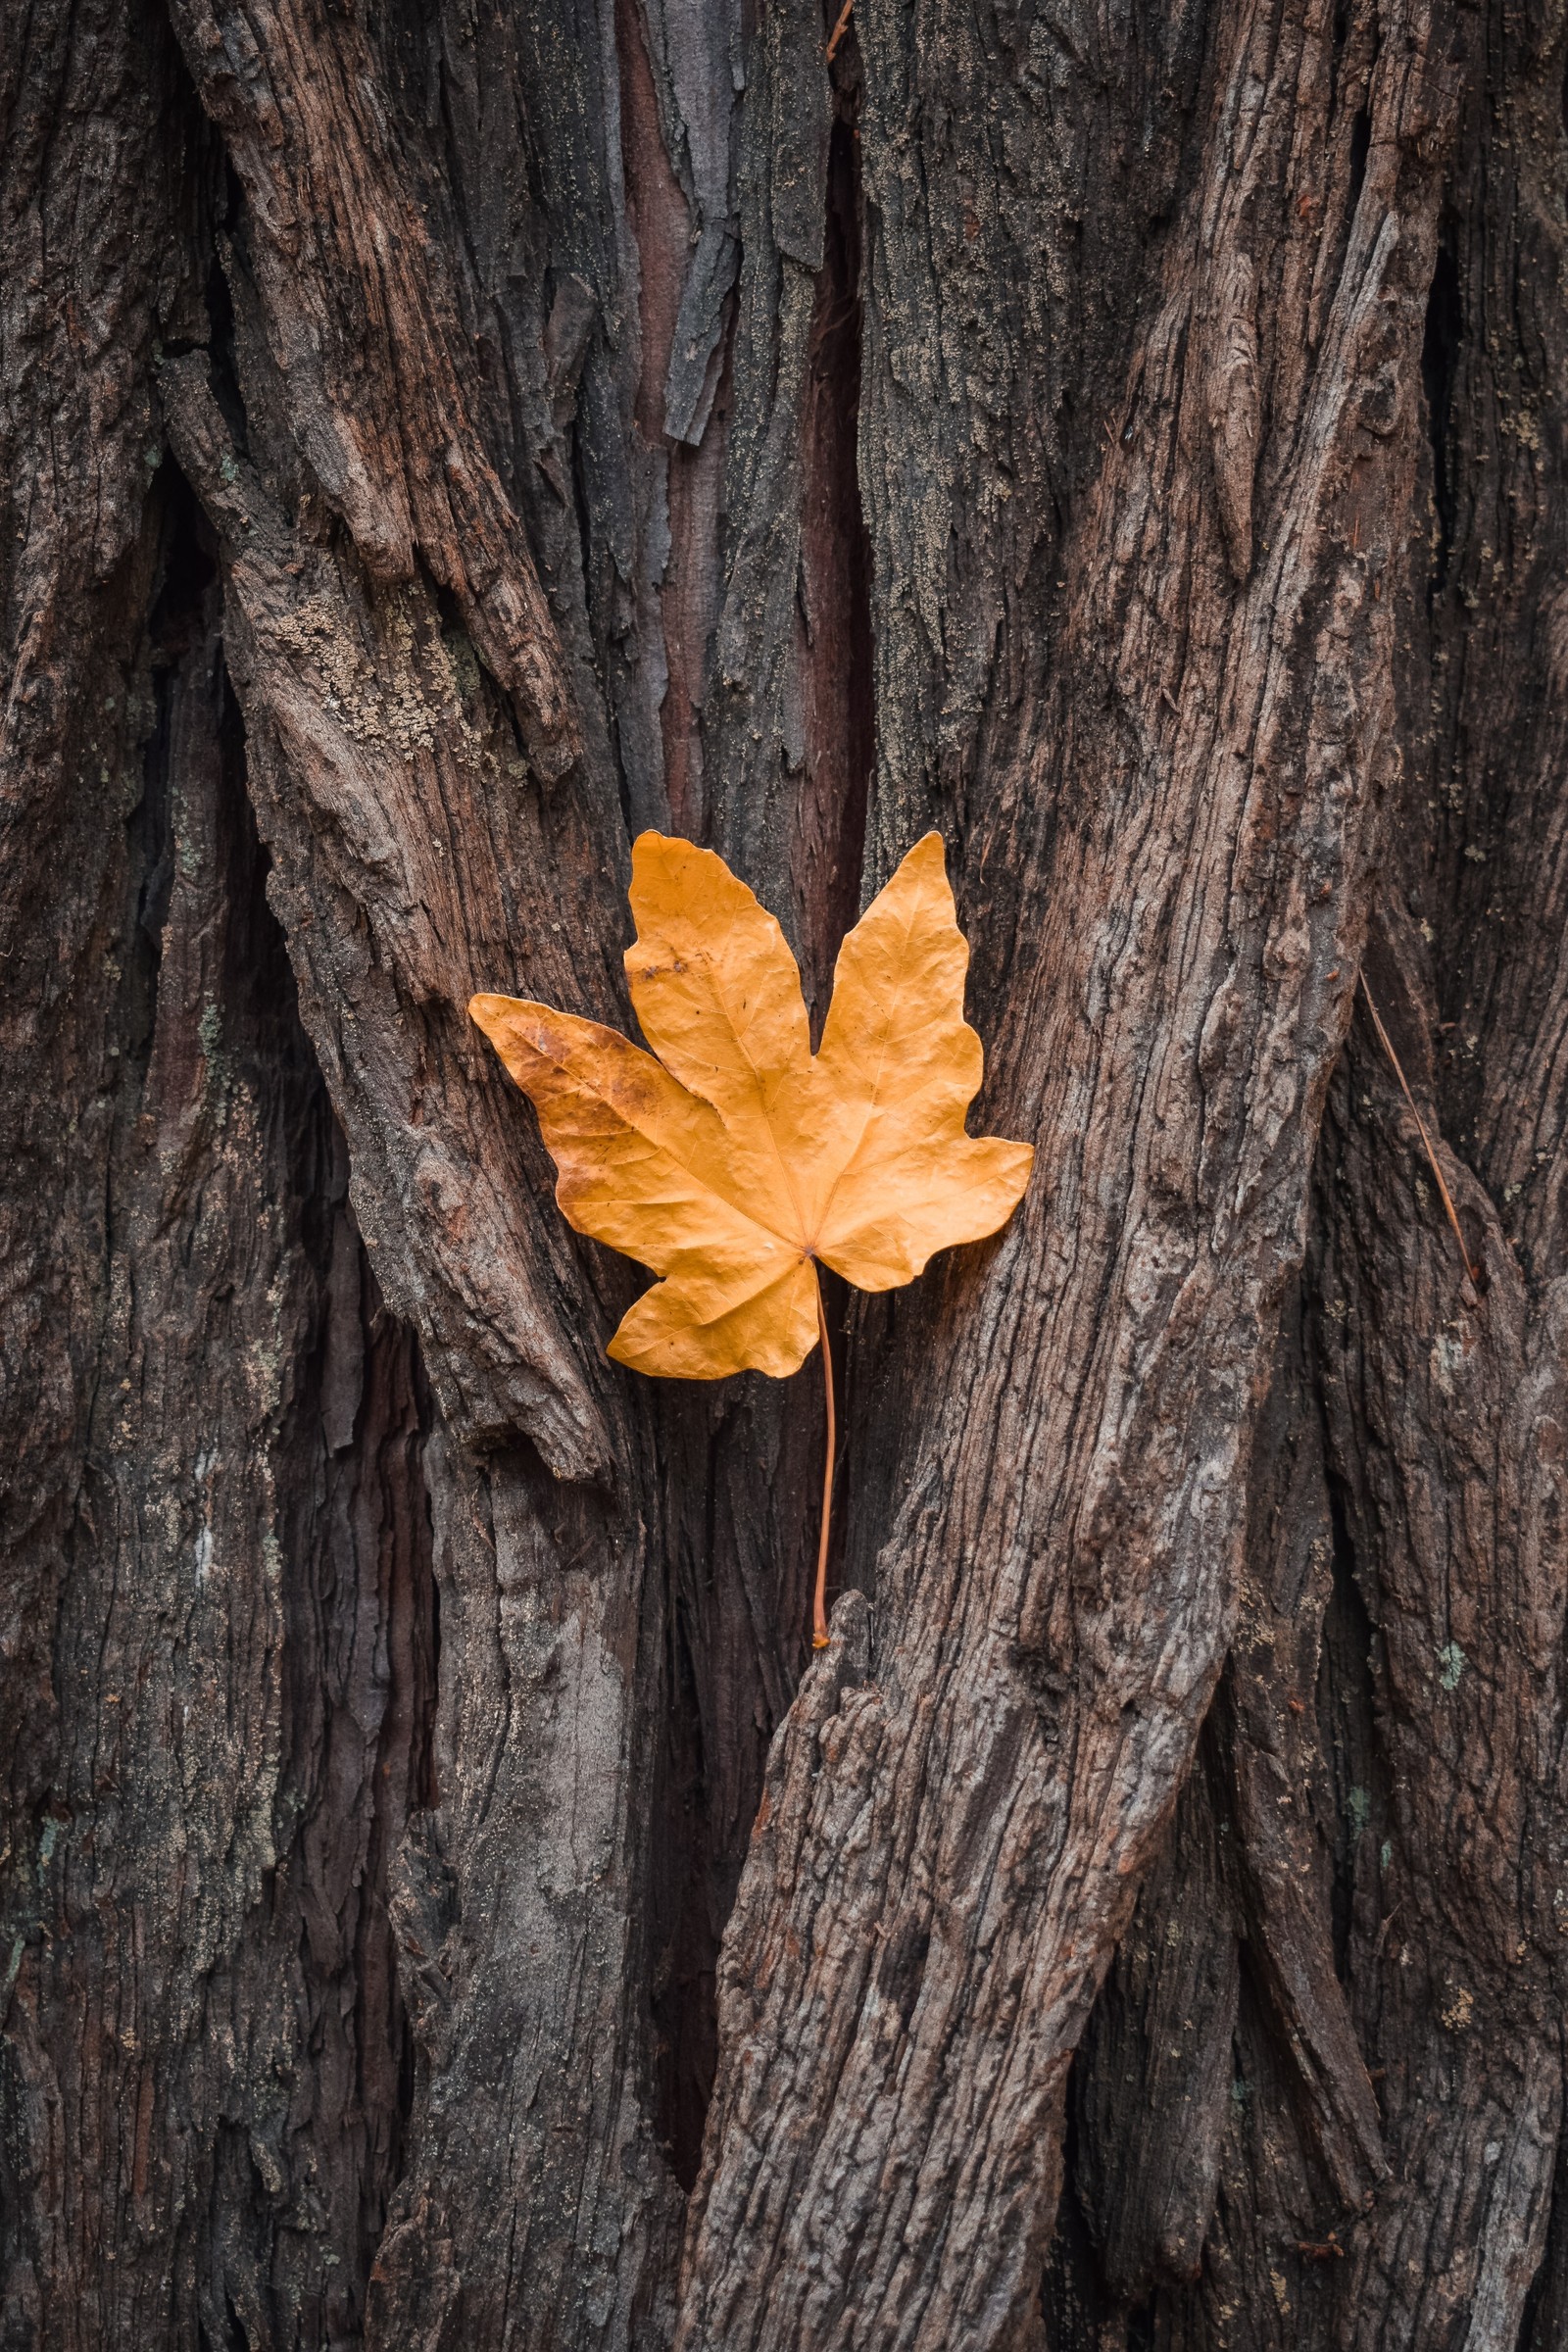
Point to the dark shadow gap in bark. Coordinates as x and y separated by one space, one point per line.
1348 1739
223 358
740 1526
1360 149
838 1301
685 1935
358 1596
838 658
1439 364
186 570
684 453
1076 2307
377 1497
835 583
1150 2084
1544 2321
259 997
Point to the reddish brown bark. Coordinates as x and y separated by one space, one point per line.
444 1903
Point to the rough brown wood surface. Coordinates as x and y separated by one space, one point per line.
442 1905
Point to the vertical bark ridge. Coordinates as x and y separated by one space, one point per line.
1443 1417
1441 1405
755 702
1266 2144
680 416
521 1937
1451 1513
205 2104
77 561
882 2169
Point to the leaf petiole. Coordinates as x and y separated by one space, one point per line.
819 1636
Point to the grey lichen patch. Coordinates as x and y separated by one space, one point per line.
220 1071
407 691
1451 1665
266 1363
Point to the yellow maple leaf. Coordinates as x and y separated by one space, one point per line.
738 1158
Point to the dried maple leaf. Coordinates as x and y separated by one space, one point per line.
738 1158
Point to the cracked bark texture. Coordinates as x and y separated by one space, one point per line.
444 1905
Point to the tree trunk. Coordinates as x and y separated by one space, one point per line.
446 1906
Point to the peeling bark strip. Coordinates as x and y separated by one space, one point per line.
439 1906
364 330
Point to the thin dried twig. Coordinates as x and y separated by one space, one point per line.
1426 1140
1321 2249
840 28
1377 1948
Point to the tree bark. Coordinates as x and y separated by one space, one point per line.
445 1904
